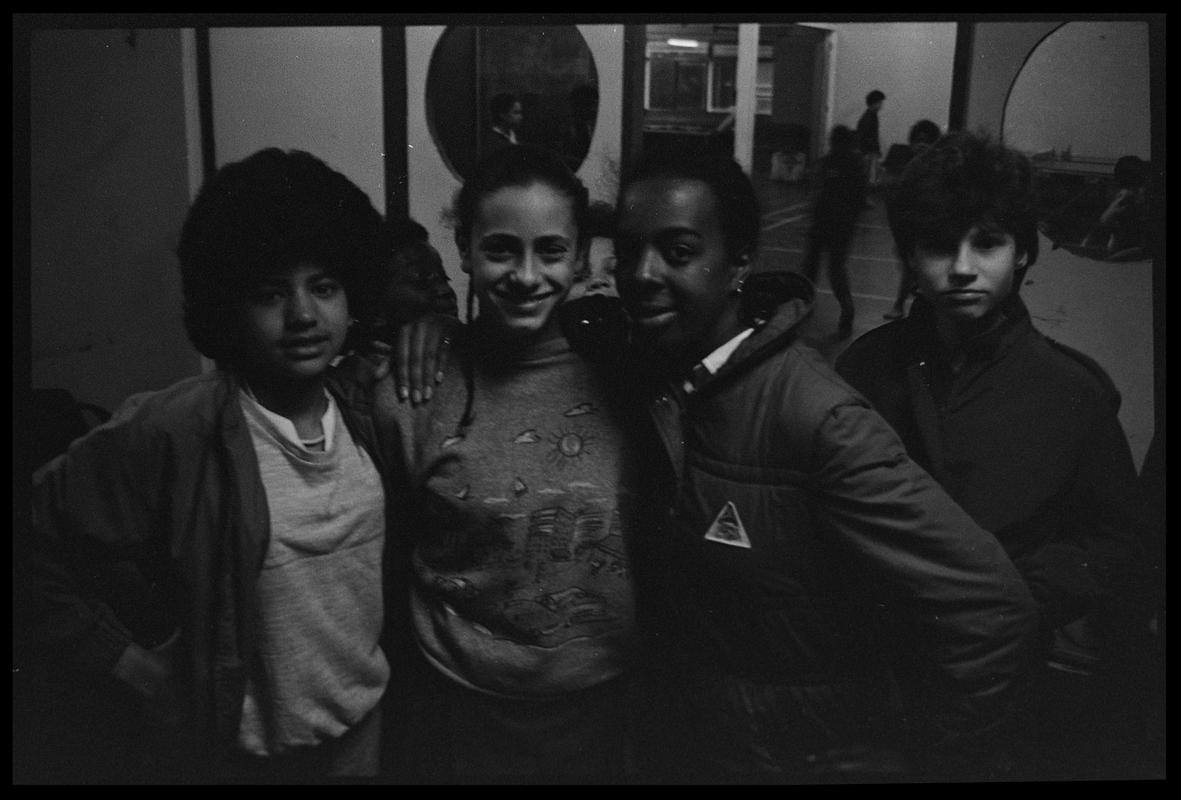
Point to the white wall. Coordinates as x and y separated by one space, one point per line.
1085 87
911 62
432 185
998 51
314 89
108 176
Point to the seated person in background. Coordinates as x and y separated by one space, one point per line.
1122 229
1022 432
251 499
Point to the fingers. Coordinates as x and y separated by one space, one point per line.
412 358
421 388
442 356
402 361
423 350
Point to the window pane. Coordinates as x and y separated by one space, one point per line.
662 83
691 84
724 72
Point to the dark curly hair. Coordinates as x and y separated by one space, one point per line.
271 211
737 206
962 181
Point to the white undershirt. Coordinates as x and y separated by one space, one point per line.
287 428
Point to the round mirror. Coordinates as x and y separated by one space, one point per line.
489 87
1080 108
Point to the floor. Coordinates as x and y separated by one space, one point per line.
1103 309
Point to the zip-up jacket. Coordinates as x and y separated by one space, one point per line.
167 492
1027 440
787 512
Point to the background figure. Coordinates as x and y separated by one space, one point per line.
505 111
536 126
580 125
923 134
837 205
212 556
1023 433
1121 233
780 511
868 140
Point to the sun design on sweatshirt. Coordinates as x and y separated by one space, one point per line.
568 445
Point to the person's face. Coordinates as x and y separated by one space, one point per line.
294 324
523 254
969 281
410 266
674 273
511 119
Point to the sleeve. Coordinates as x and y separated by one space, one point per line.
1099 565
971 612
93 509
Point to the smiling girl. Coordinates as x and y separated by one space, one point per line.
521 602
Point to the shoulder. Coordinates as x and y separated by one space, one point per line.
876 352
150 429
1076 371
820 415
187 402
806 385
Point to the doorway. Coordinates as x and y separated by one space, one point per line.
687 85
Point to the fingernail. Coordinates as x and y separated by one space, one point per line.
402 393
429 392
416 396
439 376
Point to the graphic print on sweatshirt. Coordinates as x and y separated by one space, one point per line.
534 544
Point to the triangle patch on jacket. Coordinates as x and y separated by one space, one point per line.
727 528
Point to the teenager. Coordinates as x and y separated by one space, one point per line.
784 511
521 610
248 503
1020 430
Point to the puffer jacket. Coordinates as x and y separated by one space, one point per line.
787 515
1027 440
157 522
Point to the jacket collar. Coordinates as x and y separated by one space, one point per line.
1013 323
769 337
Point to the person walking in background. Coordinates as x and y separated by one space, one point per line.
923 134
868 139
781 511
248 503
835 208
1022 432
